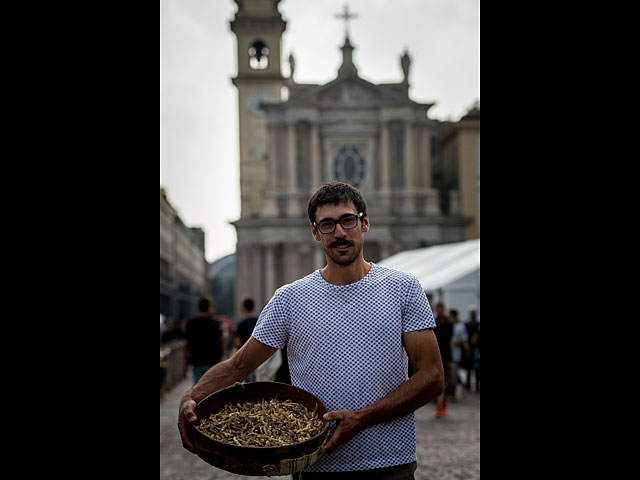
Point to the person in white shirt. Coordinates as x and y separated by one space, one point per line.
351 329
459 347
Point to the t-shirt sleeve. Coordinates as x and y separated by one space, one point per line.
272 325
416 314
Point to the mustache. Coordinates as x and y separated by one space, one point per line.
341 243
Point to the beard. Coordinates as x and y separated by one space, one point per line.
346 257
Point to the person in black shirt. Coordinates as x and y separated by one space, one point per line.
245 329
472 332
444 332
205 339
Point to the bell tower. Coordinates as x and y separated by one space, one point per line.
258 27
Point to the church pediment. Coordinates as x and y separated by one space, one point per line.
350 92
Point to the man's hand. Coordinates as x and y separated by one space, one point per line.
349 422
186 414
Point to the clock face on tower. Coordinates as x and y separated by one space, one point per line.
253 102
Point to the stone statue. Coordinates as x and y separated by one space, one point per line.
292 65
405 62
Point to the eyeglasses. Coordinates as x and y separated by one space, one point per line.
347 222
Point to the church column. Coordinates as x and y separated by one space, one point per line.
293 204
319 259
283 159
291 157
243 267
426 157
270 272
454 202
385 167
270 208
409 204
315 156
292 264
420 160
256 273
431 196
272 158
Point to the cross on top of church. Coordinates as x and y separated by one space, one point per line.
346 15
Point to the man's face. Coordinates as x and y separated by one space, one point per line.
342 246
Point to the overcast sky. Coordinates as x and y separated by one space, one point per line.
198 103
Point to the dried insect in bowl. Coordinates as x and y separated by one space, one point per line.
272 423
260 460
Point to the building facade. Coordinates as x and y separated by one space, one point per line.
183 275
373 136
457 169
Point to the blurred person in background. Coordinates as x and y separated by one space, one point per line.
472 326
444 332
162 326
244 330
475 345
459 348
245 326
206 343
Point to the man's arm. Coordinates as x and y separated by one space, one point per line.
426 384
235 369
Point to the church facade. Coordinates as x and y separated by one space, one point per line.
373 136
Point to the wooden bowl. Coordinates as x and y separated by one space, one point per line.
259 461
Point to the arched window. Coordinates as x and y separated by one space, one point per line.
258 55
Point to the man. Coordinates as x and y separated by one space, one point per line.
205 339
350 330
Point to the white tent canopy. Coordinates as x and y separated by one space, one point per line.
451 272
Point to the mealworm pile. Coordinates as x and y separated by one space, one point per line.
271 423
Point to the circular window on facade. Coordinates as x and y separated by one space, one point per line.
349 165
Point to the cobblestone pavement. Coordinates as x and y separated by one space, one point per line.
448 448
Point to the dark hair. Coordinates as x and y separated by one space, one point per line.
453 312
248 305
203 304
334 193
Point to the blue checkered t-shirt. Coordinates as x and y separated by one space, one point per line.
344 345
